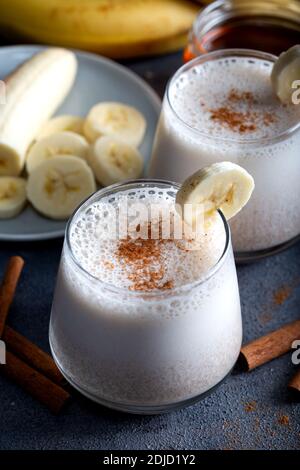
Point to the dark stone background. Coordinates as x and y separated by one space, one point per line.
246 412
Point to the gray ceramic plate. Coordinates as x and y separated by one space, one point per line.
98 79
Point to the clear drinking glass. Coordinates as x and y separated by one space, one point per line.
145 352
271 219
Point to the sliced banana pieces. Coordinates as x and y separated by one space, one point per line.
285 71
61 124
59 159
225 186
116 120
112 161
62 143
12 196
58 185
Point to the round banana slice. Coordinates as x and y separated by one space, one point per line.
116 120
10 163
61 143
58 185
12 196
112 161
223 185
286 71
61 124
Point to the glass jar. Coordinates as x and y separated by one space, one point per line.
266 25
145 352
271 220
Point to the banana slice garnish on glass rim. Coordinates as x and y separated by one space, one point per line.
225 186
58 185
285 72
116 120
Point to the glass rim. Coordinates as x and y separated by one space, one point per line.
234 52
175 291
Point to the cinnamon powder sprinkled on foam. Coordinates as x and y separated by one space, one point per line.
108 265
236 96
236 120
268 119
144 258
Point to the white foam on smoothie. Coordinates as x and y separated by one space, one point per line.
99 255
206 87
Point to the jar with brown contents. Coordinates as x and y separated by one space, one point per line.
265 25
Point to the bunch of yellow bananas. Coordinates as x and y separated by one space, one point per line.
116 28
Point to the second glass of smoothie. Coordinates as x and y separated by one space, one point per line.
221 106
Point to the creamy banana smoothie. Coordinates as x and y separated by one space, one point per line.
222 107
145 322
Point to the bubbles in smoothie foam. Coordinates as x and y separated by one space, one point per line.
172 265
206 87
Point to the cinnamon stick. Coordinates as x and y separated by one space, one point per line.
26 364
8 287
32 354
270 346
33 382
294 384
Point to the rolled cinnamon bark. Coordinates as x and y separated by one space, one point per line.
32 354
270 346
33 382
26 364
8 287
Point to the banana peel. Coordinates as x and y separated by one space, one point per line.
115 28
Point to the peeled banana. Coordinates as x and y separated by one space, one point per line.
33 93
116 28
222 185
58 185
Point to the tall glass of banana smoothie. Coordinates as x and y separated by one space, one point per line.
149 321
221 106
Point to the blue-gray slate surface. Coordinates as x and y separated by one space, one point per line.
249 411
